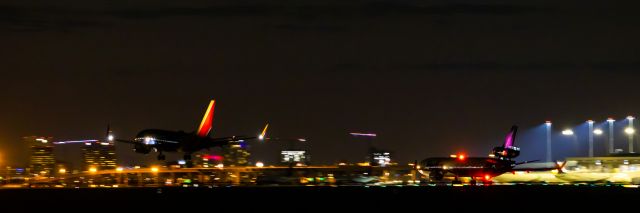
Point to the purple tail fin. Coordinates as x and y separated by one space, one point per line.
511 137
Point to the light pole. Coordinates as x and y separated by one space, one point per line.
598 132
569 132
610 121
630 131
548 125
590 122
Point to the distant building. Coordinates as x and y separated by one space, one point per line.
42 161
207 160
294 156
236 154
99 155
380 158
9 175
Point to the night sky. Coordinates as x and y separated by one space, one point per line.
429 77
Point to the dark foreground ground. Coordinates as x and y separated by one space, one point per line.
328 199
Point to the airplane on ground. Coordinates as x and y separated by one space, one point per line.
481 168
162 141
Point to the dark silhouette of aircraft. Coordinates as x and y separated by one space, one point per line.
481 168
162 141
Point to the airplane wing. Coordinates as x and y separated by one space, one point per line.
530 167
110 137
233 138
239 138
126 141
224 138
525 162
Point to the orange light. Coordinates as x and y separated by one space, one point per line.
461 157
487 177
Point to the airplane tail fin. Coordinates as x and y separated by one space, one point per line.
207 121
511 137
508 150
264 132
108 135
108 131
560 166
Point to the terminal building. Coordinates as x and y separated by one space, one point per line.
42 161
621 162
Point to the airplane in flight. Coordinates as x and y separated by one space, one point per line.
500 161
162 141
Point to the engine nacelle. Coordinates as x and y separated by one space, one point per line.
141 148
506 152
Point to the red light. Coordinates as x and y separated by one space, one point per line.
212 157
487 177
461 157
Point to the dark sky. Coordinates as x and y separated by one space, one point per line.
430 77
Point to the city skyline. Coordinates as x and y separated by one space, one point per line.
429 78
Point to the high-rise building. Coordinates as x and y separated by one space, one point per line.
236 154
99 155
42 161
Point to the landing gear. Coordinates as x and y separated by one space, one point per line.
436 175
161 156
456 181
188 162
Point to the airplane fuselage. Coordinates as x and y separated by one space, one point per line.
174 141
467 167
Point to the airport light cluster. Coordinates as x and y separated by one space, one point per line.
629 131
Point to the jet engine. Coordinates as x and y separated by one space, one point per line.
506 152
141 148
